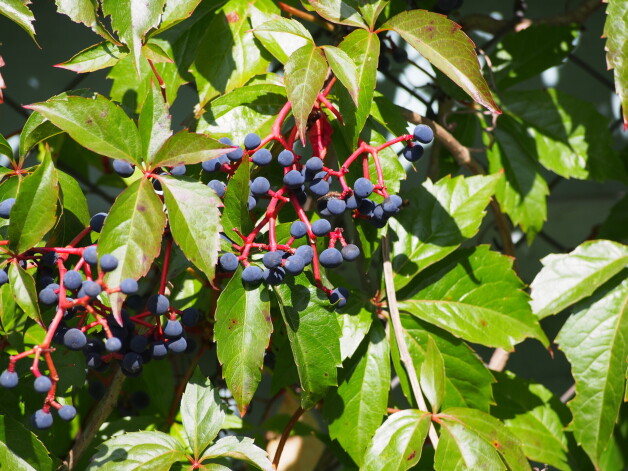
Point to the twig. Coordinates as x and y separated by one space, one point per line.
306 16
286 433
568 394
404 354
499 359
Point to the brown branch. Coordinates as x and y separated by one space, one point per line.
286 433
306 16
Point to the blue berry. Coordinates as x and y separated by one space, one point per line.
306 253
5 208
90 255
315 164
423 133
226 141
353 202
321 227
67 413
252 141
72 280
113 344
350 252
123 168
236 154
94 345
319 187
294 265
298 229
274 276
4 277
252 274
218 187
251 203
74 339
159 350
97 221
366 208
272 259
8 379
158 304
392 204
330 258
178 346
41 420
42 384
363 187
49 259
293 179
414 153
178 170
212 165
129 286
285 158
339 296
138 343
91 288
228 262
260 186
262 157
132 362
108 262
336 206
48 296
190 317
173 328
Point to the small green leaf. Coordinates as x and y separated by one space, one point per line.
344 12
36 129
568 278
314 336
97 124
355 411
446 46
242 333
201 413
194 215
86 12
176 11
96 57
439 218
18 12
186 148
154 123
344 69
73 212
236 212
474 294
282 37
305 73
24 291
595 341
398 443
240 448
138 451
371 10
460 448
5 147
33 214
21 450
616 38
433 375
153 52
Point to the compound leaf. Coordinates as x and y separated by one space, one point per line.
282 37
344 69
154 123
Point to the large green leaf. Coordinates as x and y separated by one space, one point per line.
132 19
616 39
398 443
433 375
314 336
21 450
461 449
98 124
356 409
572 138
18 12
132 233
194 215
138 451
438 219
479 427
568 278
344 69
154 123
33 214
305 74
242 331
344 12
96 57
24 291
282 37
521 193
595 341
467 380
185 148
442 42
474 294
533 415
241 448
236 212
201 413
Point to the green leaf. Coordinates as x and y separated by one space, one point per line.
201 413
344 69
5 147
461 449
131 19
97 124
398 443
444 45
236 212
186 148
615 227
438 219
18 12
72 370
356 409
371 10
354 327
616 38
153 52
240 448
344 12
35 130
568 278
154 123
176 11
138 451
21 450
595 341
194 215
572 137
242 333
314 336
533 415
24 291
521 194
33 214
96 57
468 383
474 294
305 73
486 428
73 212
433 375
86 12
363 48
282 37
132 233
